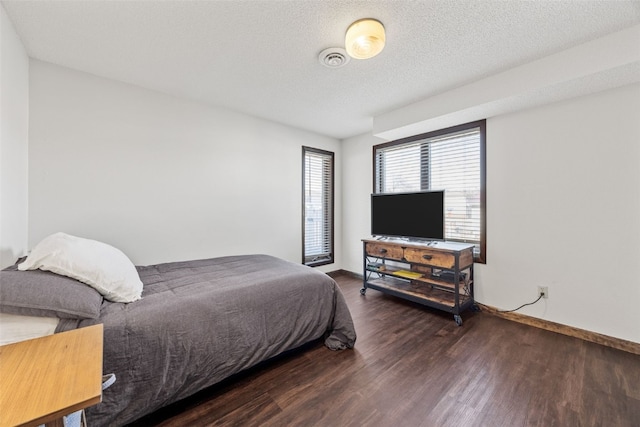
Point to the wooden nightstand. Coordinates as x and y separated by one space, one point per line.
45 378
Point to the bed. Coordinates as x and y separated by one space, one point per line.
194 324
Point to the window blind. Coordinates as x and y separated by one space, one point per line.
440 160
318 206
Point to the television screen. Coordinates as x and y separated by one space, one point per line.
418 215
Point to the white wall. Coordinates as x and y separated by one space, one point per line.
563 211
357 161
14 143
563 190
161 178
607 62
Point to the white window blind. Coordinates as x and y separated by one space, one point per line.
450 161
318 206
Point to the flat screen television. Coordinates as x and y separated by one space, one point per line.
418 215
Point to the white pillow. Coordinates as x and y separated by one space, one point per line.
101 266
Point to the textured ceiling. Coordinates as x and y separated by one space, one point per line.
261 57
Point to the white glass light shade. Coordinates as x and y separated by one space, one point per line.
365 39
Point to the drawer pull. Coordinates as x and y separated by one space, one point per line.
427 257
383 251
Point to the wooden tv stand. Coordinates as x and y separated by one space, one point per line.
435 274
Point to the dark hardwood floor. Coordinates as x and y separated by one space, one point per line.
413 366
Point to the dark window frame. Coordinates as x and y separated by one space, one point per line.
330 258
482 126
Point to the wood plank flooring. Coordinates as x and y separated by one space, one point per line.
413 366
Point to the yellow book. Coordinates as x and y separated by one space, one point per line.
408 274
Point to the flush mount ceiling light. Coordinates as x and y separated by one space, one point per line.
365 38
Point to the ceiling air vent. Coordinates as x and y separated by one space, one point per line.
333 57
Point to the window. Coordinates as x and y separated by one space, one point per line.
317 206
452 159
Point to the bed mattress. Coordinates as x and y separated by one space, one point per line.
199 322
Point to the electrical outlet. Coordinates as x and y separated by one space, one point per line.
544 291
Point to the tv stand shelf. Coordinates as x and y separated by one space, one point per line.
434 274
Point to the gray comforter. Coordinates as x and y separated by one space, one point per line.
201 321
